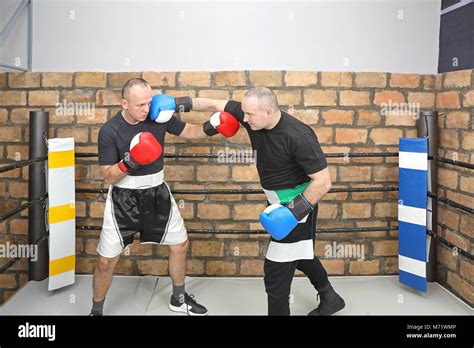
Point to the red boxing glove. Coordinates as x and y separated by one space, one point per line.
144 149
221 122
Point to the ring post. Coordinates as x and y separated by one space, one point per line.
427 126
37 233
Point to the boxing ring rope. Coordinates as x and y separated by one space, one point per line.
37 195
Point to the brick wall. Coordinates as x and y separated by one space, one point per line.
344 109
455 97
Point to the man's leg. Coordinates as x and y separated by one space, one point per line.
101 281
330 301
177 263
180 300
278 278
315 271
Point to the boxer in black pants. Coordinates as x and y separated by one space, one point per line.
294 175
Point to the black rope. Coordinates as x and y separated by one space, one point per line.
450 245
251 191
22 207
319 230
451 203
216 155
20 164
453 162
9 264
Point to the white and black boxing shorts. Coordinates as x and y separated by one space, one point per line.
140 204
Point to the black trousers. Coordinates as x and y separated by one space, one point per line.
279 275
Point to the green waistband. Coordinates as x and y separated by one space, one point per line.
286 195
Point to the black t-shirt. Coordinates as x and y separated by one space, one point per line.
286 154
116 134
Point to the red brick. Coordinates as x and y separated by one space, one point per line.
230 78
241 249
457 119
221 268
368 117
456 79
448 100
13 98
356 210
354 98
318 97
336 79
56 79
405 80
385 248
43 98
194 78
335 116
364 267
251 267
90 79
266 78
354 174
118 79
10 133
24 80
370 79
425 99
156 79
300 78
213 211
212 173
248 211
388 97
351 136
385 136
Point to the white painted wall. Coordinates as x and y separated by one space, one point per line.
193 35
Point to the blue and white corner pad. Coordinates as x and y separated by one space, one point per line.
412 212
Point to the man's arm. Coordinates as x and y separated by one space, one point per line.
112 173
208 104
193 131
319 186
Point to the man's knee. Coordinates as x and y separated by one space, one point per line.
106 264
180 248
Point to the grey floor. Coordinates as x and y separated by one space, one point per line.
376 295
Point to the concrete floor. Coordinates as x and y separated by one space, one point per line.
375 295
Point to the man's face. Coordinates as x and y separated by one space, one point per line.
256 116
138 102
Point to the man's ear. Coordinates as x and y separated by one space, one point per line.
124 104
269 112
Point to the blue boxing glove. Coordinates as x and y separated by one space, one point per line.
163 106
279 220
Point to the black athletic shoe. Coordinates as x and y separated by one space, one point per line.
96 314
187 305
330 303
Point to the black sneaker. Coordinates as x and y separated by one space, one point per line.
330 303
96 314
187 305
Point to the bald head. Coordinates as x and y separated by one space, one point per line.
265 97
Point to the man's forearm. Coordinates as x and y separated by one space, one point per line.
113 174
315 192
208 104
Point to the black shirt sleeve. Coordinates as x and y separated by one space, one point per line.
108 152
235 108
175 126
309 154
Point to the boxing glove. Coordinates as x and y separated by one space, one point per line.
279 220
163 106
221 122
144 149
